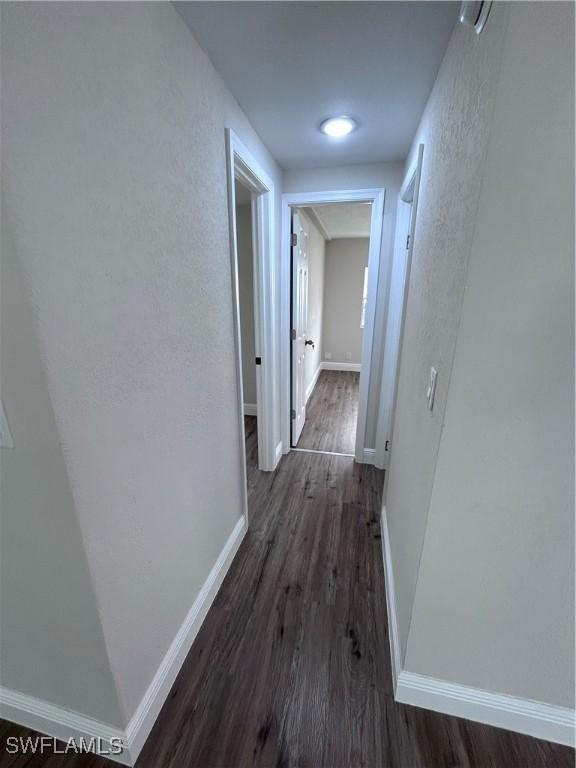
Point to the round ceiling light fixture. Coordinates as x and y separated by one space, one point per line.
338 127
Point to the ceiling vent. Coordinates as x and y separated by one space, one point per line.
473 13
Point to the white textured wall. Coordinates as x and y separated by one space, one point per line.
346 260
52 646
371 175
246 295
494 606
316 258
363 176
454 130
115 190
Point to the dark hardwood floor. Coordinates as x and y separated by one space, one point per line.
291 666
331 413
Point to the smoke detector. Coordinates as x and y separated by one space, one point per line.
473 13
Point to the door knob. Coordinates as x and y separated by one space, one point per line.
309 342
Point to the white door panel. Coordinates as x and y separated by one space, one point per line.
406 213
396 303
299 322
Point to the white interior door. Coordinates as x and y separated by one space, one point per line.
396 303
406 213
300 235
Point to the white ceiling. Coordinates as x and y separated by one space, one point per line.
291 64
342 219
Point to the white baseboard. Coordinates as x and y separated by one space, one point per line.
65 725
393 636
310 387
368 456
328 365
62 724
250 409
149 708
535 718
278 453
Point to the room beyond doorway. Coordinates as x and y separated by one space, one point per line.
334 265
332 413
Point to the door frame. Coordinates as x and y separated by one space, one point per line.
290 200
243 166
406 213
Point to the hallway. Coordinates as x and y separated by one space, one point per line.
331 413
292 664
214 211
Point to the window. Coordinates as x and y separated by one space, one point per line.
364 298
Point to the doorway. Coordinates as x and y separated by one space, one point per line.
247 307
400 275
251 227
330 247
328 355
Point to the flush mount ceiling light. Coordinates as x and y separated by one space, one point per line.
338 127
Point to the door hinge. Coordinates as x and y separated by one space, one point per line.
258 361
407 242
294 239
293 413
387 444
293 334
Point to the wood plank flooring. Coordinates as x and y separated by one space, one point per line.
291 666
332 413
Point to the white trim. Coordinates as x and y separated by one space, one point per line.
250 409
374 261
285 325
243 166
535 718
278 453
393 635
328 365
61 723
406 213
375 196
368 455
409 187
313 382
323 453
149 708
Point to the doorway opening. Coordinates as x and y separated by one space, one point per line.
251 227
246 288
330 278
330 245
406 212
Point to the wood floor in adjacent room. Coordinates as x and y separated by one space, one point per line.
332 413
291 666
